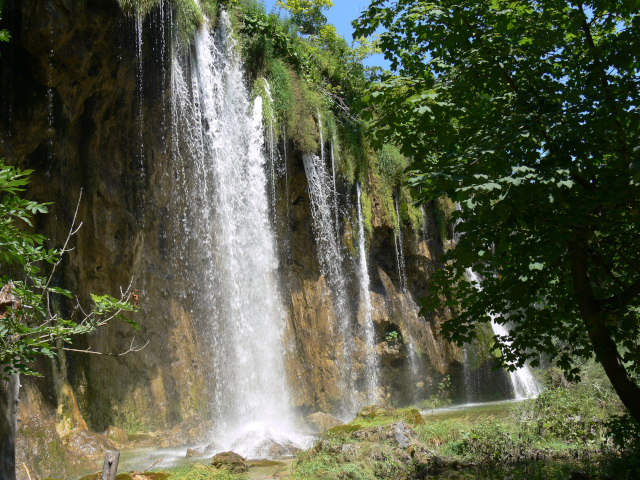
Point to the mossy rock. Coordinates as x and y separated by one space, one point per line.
381 415
230 461
342 430
93 476
266 463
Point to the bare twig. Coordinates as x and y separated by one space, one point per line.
25 467
131 349
153 465
72 231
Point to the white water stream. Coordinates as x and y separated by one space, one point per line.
402 271
371 360
218 151
331 265
523 381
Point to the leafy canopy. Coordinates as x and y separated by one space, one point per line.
526 112
308 15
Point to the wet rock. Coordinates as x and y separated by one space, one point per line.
293 450
230 461
401 434
212 447
269 448
88 444
193 452
322 422
276 450
116 435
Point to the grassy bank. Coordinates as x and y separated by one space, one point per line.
569 431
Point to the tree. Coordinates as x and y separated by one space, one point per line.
526 112
29 328
308 15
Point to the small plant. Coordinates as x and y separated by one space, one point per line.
392 336
442 397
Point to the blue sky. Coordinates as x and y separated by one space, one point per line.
341 15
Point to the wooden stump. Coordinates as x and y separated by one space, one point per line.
110 469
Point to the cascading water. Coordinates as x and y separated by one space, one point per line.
335 188
412 353
371 361
331 264
402 272
226 239
524 384
425 221
140 90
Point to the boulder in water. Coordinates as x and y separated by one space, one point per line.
321 422
212 447
193 452
230 461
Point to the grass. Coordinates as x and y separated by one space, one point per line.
199 471
568 428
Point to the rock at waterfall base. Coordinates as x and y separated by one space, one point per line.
192 452
321 422
88 444
116 434
230 461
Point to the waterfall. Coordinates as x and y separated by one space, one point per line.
524 384
425 221
371 361
331 260
402 272
226 242
140 91
466 374
335 188
51 132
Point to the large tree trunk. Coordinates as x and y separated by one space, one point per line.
9 390
604 347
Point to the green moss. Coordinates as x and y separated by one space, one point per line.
189 17
342 430
376 415
203 472
138 7
281 83
367 213
211 9
303 128
444 208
